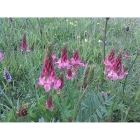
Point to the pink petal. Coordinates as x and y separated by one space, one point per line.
57 84
53 57
47 87
28 51
41 81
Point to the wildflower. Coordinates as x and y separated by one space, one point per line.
62 82
48 67
69 75
127 55
63 62
49 104
22 111
1 57
113 67
47 86
100 41
31 49
41 81
86 40
24 44
76 62
57 84
7 75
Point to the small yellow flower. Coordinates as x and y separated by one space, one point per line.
98 23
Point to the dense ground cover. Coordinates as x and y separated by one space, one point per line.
89 90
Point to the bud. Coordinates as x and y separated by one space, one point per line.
127 28
85 34
107 18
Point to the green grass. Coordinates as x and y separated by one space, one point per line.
25 68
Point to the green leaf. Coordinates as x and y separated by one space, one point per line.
99 113
84 104
108 103
111 96
95 118
41 119
103 109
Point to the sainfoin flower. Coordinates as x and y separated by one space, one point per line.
113 67
22 111
69 75
49 104
1 57
63 62
76 62
48 78
24 45
7 75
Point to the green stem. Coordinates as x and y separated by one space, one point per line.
104 54
105 38
75 109
66 119
128 72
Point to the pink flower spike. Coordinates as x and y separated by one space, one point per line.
64 61
52 77
127 55
69 75
1 57
24 44
49 104
62 65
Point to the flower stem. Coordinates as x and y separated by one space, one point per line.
75 109
105 38
129 71
66 119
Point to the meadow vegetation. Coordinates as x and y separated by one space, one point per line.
69 70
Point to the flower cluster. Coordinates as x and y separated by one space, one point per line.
113 67
71 65
48 77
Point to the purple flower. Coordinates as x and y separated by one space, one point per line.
7 75
1 57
